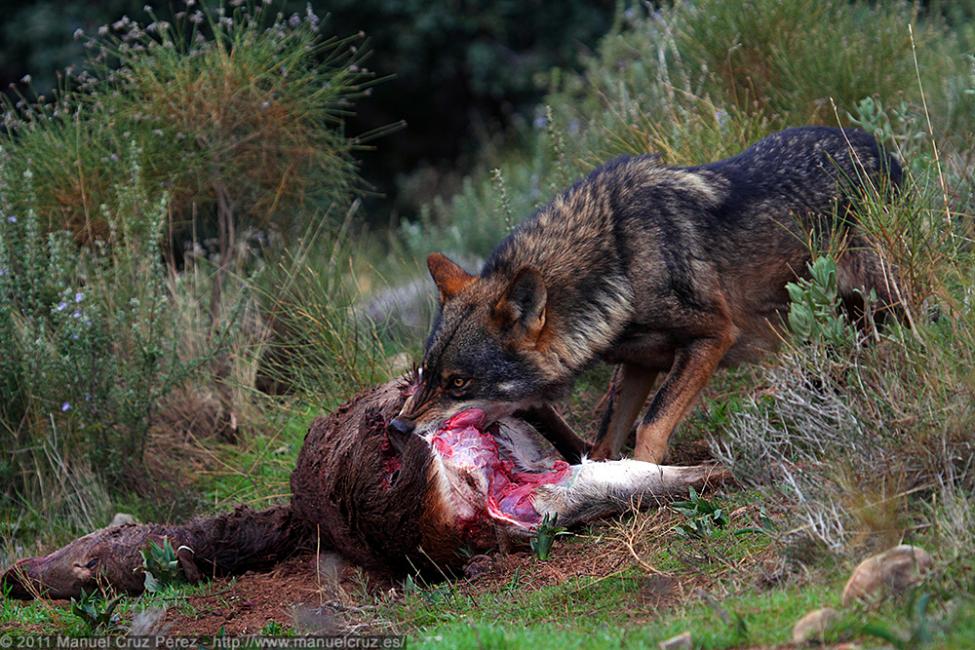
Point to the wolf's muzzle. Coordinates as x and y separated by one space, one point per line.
402 426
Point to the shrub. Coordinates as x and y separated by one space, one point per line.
222 125
696 82
87 337
238 118
321 347
850 428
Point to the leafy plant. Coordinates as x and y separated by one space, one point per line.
814 311
160 565
274 628
87 335
97 613
541 542
703 516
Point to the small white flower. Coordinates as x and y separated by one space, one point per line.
25 79
78 33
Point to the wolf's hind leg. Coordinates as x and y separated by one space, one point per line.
596 489
624 406
860 270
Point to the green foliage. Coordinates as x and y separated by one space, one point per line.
87 335
541 542
814 311
273 628
160 565
695 82
96 612
703 516
223 127
322 347
239 116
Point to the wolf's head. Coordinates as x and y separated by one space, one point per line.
486 348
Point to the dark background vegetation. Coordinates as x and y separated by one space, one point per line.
457 71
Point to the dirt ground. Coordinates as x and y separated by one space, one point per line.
331 596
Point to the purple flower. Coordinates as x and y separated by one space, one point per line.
295 20
78 297
11 219
65 407
76 314
61 306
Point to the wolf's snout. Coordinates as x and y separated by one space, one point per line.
401 425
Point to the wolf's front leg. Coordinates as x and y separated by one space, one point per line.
595 489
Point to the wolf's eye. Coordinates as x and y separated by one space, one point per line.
458 383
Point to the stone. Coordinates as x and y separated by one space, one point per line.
399 364
892 571
121 519
679 642
813 626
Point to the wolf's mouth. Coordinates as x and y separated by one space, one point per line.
486 475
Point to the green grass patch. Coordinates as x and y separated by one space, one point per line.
43 617
257 472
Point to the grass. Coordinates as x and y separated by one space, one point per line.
41 617
257 473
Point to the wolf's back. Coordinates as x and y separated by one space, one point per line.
807 169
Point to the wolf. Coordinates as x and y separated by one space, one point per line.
658 269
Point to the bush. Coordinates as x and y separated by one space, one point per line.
87 337
238 118
223 126
696 82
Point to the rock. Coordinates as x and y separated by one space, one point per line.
893 570
149 622
121 519
679 642
399 364
478 565
813 626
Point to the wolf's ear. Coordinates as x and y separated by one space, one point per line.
449 277
523 303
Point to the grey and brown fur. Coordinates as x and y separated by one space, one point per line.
663 270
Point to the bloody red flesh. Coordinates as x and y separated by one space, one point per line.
508 493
